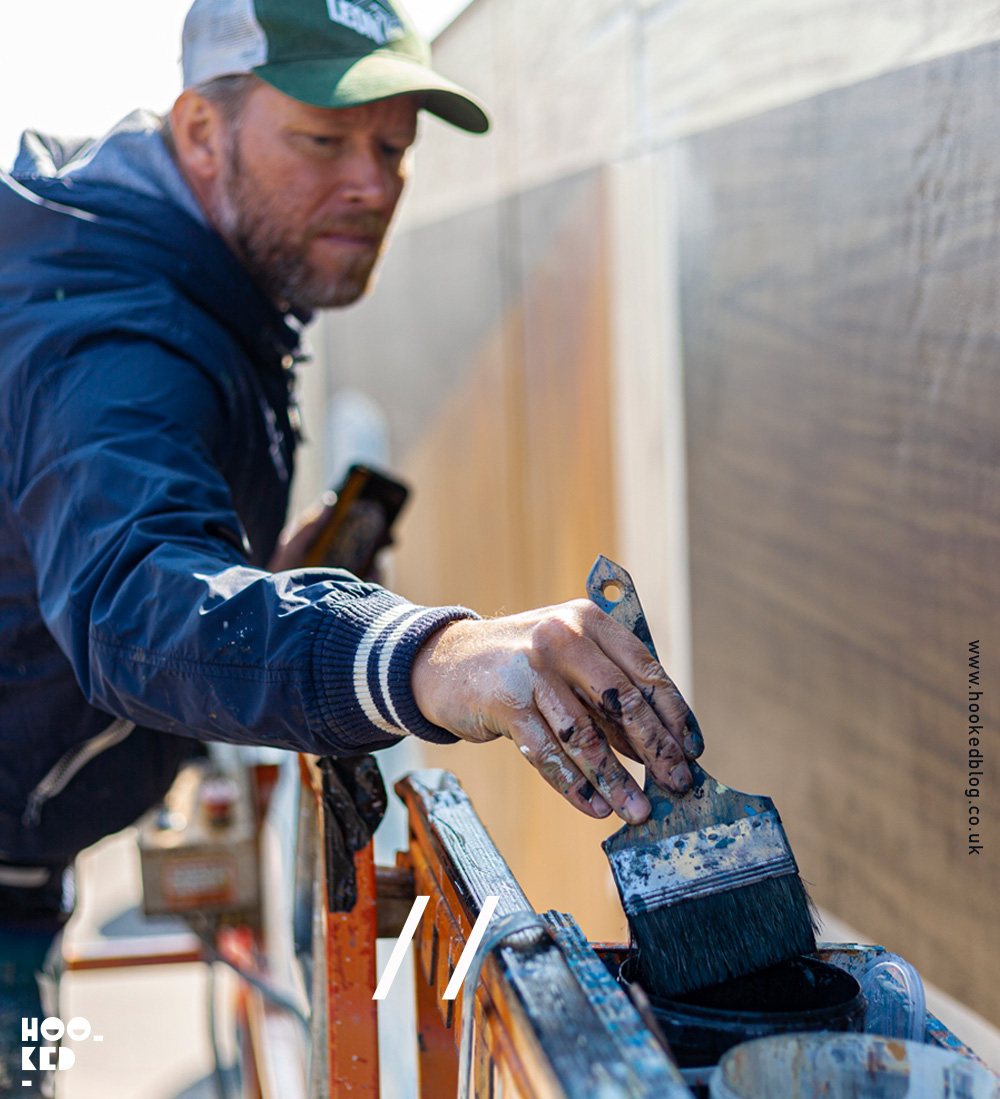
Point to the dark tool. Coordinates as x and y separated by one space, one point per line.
709 883
358 523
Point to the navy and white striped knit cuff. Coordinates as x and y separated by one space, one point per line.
367 690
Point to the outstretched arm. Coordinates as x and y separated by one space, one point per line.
570 687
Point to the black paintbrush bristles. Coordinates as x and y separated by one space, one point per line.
705 940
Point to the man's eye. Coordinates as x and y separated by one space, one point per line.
317 142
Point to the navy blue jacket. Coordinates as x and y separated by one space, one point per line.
145 455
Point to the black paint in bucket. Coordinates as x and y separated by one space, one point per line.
799 995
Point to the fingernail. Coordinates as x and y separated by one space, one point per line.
680 778
694 745
599 805
636 808
694 742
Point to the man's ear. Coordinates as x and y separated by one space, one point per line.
198 133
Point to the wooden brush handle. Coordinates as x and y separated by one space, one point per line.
611 588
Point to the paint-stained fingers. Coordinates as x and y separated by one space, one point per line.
587 747
615 737
632 691
623 704
534 741
632 712
627 652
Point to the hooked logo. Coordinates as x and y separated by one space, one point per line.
49 1057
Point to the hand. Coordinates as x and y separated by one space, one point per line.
567 684
297 539
300 537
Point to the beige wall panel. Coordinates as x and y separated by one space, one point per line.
569 76
503 407
712 61
573 86
437 306
558 83
457 540
568 472
840 295
453 171
648 402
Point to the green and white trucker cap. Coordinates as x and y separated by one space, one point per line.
328 53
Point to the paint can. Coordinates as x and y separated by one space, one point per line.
848 1066
803 994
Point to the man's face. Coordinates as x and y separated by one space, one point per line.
306 193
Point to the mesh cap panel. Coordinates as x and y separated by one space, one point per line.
221 37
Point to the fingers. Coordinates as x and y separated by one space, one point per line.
297 539
615 677
632 711
534 740
624 649
587 747
615 738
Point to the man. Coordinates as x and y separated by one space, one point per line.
151 289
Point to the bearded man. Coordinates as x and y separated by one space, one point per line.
152 286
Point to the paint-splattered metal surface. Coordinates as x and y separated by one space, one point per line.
615 1011
610 587
848 1066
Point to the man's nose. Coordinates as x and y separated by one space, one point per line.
367 179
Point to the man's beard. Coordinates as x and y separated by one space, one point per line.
277 257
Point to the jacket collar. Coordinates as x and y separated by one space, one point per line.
75 220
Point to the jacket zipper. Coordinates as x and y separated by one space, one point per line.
69 764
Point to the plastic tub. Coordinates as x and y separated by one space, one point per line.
897 1006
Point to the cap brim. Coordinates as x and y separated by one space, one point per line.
349 82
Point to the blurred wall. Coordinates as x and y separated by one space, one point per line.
718 296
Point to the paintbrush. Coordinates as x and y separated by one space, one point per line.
709 883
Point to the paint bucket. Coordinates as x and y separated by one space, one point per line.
848 1066
799 995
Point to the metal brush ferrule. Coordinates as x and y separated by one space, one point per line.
697 864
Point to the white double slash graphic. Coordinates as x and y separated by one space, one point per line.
485 913
419 904
409 929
